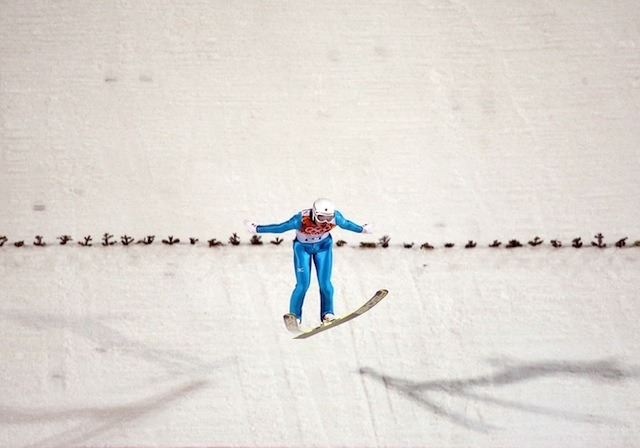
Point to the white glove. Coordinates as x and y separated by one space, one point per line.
367 228
252 227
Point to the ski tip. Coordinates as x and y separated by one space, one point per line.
291 323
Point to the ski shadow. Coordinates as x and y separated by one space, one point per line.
508 372
98 330
85 423
177 376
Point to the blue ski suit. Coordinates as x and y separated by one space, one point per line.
313 243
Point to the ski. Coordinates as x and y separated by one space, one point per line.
294 328
291 322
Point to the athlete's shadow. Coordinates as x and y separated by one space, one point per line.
507 372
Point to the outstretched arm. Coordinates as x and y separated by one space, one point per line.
344 223
294 223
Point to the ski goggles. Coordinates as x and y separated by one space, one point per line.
324 218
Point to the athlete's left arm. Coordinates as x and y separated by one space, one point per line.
344 223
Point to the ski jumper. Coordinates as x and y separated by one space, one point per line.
313 243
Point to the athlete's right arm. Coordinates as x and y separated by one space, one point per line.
293 224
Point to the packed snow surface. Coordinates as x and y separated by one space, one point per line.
439 122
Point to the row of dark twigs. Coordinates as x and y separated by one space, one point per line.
109 240
576 243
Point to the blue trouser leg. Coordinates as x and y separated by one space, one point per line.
322 256
302 266
324 262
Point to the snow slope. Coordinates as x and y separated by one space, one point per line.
439 121
181 346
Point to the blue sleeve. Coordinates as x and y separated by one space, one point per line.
294 223
344 223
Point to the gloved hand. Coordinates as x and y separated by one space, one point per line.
252 227
367 228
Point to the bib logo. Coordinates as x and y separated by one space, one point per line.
308 228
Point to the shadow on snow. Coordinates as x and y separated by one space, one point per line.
508 373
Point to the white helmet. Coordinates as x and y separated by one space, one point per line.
323 210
